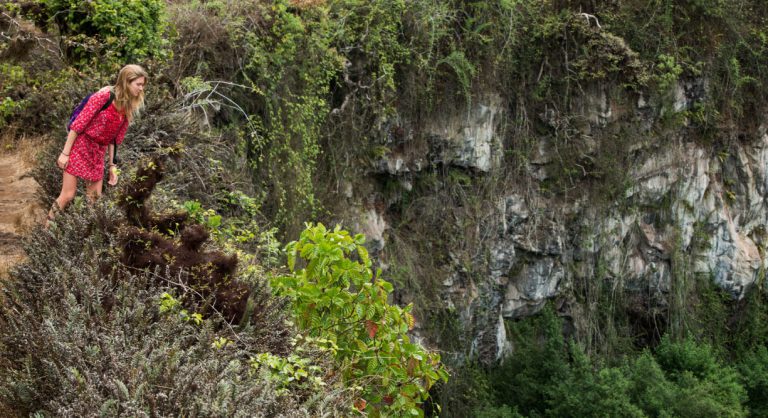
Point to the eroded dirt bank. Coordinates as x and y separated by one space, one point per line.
19 208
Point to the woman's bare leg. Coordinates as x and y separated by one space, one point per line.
93 190
68 190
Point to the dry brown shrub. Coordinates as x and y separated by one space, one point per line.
205 48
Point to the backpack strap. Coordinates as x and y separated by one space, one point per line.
103 108
109 101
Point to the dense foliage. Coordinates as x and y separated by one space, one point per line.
550 377
286 110
104 32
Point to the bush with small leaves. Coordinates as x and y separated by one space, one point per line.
81 334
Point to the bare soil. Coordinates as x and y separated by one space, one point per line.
19 208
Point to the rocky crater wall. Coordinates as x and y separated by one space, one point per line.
689 208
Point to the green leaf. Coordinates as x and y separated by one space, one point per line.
363 254
122 390
373 364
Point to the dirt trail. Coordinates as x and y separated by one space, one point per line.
19 209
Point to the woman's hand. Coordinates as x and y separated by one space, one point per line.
113 172
62 161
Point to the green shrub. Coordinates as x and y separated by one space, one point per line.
754 377
468 391
683 379
341 301
12 78
526 378
651 390
686 357
590 392
107 31
496 412
686 379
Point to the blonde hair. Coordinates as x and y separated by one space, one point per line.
124 102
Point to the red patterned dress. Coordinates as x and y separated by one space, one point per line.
95 130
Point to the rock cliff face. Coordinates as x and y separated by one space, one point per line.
689 210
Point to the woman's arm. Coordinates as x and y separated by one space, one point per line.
121 132
113 171
111 153
63 158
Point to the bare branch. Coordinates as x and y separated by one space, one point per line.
589 17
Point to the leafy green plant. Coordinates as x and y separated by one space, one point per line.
290 370
588 392
207 217
241 234
11 78
8 108
525 380
120 31
462 68
341 300
686 378
667 72
170 305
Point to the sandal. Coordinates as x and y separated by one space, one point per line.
52 214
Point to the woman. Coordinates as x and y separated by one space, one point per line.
94 131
